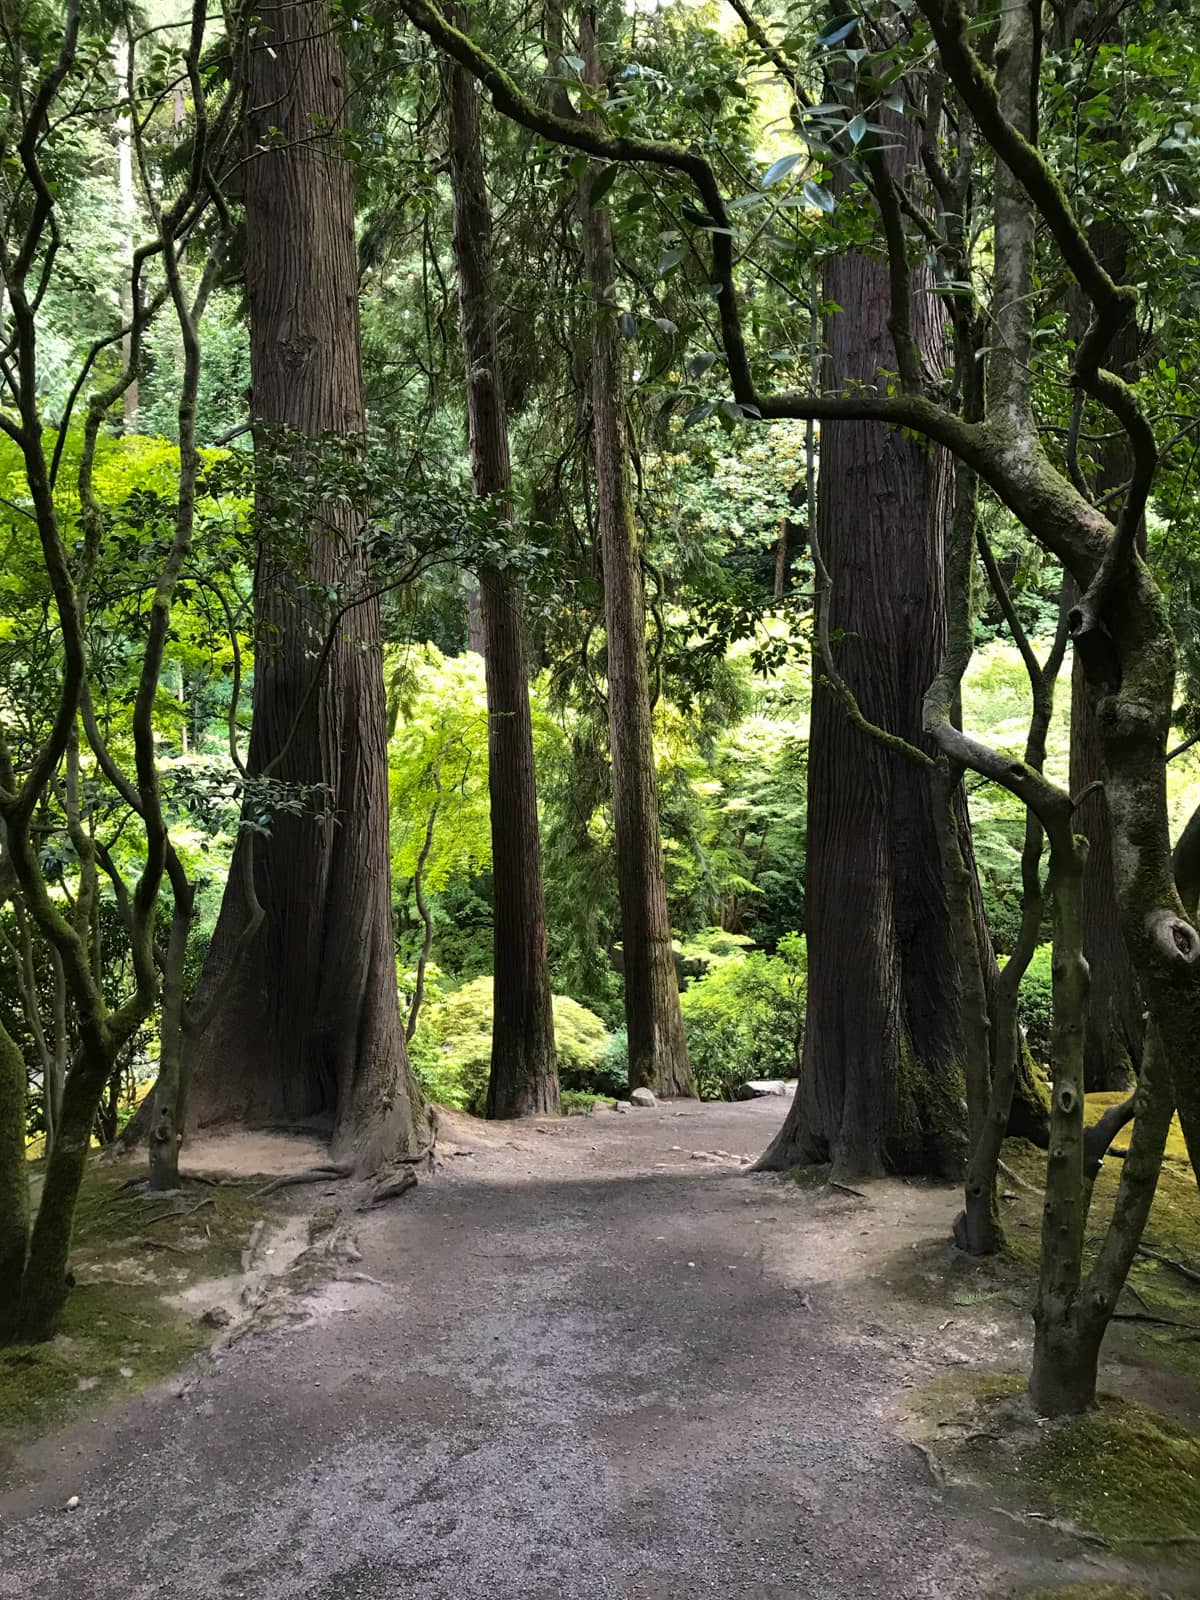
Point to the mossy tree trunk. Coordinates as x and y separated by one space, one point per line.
524 1072
14 1181
170 1100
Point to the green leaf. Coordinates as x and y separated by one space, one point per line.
699 413
857 129
627 323
840 28
665 325
602 183
819 197
670 258
700 364
780 169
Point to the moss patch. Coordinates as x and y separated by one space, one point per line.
121 1329
1173 1230
1160 1311
1085 1591
1126 1474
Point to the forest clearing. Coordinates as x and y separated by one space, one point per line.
599 798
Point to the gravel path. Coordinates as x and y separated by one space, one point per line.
588 1365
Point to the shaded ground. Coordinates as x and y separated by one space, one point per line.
579 1363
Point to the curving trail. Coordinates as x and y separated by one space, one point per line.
588 1365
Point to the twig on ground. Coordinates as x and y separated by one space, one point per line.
165 1216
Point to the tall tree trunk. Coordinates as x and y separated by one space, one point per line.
308 1026
14 1181
128 219
881 1083
658 1058
524 1071
1112 1048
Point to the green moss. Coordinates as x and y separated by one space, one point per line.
1085 1591
122 1330
1124 1471
812 1177
930 1132
946 1395
1128 1474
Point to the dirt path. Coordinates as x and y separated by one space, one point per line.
589 1365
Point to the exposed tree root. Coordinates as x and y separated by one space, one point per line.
323 1173
165 1216
391 1188
1181 1267
1015 1177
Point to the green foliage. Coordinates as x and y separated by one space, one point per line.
1035 1003
438 765
745 1017
452 1050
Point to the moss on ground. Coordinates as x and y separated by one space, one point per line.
1128 1475
1160 1312
1155 1290
1085 1591
122 1329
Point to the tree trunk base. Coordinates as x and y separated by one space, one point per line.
977 1230
1062 1382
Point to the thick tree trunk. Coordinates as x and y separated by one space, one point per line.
308 1028
1113 1040
1114 1037
524 1071
166 1128
14 1181
44 1290
658 1058
881 1084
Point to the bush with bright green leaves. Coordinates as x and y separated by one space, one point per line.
1035 1003
452 1049
745 1017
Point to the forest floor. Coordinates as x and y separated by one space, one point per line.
588 1358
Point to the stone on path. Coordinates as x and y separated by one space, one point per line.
642 1097
756 1088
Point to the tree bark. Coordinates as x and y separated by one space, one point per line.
308 1027
658 1058
881 1085
1114 1035
14 1181
524 1069
1115 1030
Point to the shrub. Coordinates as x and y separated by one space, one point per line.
452 1050
745 1018
1035 1003
613 1069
